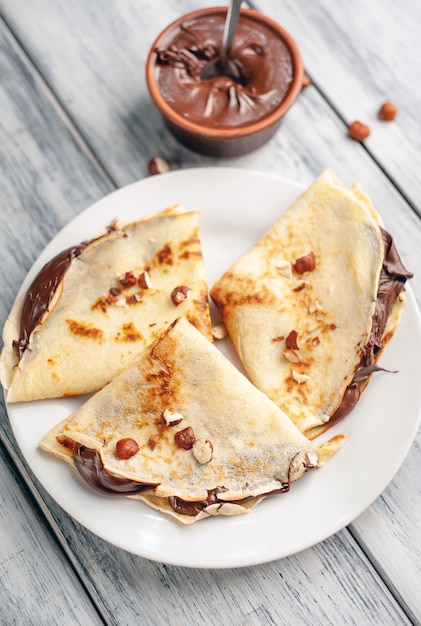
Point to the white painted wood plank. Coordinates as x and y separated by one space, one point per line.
38 586
361 54
329 584
288 155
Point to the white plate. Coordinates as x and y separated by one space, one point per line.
236 207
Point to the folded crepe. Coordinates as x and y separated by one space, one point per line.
313 303
94 307
186 432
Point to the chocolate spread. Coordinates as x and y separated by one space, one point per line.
89 465
263 72
40 293
393 276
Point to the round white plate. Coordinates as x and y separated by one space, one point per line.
237 207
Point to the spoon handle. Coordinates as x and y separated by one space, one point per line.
229 29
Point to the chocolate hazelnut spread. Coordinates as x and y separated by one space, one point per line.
89 465
263 71
392 280
41 292
42 289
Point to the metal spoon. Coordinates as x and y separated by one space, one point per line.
224 65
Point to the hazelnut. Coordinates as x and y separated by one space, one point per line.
300 378
388 112
128 280
306 81
305 263
299 285
185 438
170 418
134 298
179 294
126 448
311 460
153 441
291 356
202 451
144 280
157 165
284 268
358 131
291 340
219 331
314 307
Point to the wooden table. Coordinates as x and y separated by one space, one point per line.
76 123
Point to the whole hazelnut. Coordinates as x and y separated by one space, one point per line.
358 131
126 448
388 112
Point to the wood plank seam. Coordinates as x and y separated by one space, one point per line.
46 515
57 105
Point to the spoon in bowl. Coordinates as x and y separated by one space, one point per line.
224 65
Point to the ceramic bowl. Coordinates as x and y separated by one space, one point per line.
235 136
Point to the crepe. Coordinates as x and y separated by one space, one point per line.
204 440
305 306
94 307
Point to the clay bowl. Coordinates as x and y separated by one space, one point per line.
216 135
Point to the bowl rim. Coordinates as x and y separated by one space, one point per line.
240 131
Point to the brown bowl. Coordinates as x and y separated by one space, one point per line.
246 111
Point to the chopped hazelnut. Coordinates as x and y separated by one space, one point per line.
202 451
299 285
153 441
157 165
284 268
314 307
128 280
185 438
144 280
311 460
305 263
300 378
172 418
291 340
134 298
291 355
219 331
179 294
306 81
